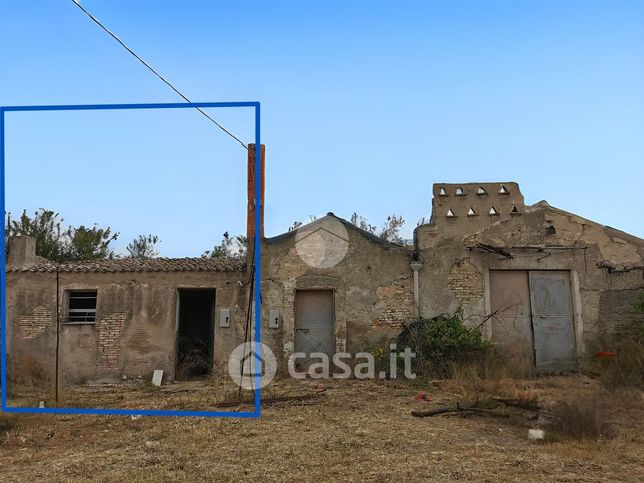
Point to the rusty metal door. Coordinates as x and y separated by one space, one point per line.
511 323
314 323
552 321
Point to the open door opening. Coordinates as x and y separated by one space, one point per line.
195 342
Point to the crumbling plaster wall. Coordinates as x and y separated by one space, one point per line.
372 285
601 299
502 197
136 321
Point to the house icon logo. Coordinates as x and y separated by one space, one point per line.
251 363
323 243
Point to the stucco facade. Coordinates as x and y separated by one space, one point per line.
135 330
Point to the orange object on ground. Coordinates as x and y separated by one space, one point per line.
605 355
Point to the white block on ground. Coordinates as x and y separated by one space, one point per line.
157 377
536 434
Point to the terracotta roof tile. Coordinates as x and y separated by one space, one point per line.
141 265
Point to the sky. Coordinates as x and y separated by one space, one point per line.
364 106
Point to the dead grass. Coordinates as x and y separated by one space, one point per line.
627 368
581 418
359 431
7 423
27 371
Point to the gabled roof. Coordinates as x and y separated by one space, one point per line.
609 230
367 234
116 265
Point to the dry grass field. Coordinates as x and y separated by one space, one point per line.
353 431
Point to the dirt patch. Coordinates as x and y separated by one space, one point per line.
356 431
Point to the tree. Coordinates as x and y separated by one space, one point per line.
143 246
62 245
230 247
44 227
390 230
84 243
361 222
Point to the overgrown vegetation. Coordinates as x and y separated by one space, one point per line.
27 371
626 367
230 247
379 349
389 230
581 417
58 243
442 342
144 246
6 423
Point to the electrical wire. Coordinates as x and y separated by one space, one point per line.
134 54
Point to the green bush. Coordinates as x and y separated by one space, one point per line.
440 342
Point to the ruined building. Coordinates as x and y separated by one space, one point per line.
542 282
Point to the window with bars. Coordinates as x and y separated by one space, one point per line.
82 307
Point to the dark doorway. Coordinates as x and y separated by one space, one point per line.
196 333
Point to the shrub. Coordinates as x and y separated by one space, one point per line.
193 363
580 418
6 423
26 370
378 347
627 368
442 341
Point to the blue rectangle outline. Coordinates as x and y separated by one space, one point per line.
3 302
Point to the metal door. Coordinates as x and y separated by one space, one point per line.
552 321
314 321
511 323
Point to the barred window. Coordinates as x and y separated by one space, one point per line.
82 307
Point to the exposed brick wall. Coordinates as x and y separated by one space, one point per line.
110 330
36 323
466 282
398 300
617 310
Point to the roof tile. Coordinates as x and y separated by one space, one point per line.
202 264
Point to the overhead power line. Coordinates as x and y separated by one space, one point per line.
134 54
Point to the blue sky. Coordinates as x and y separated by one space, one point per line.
365 105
